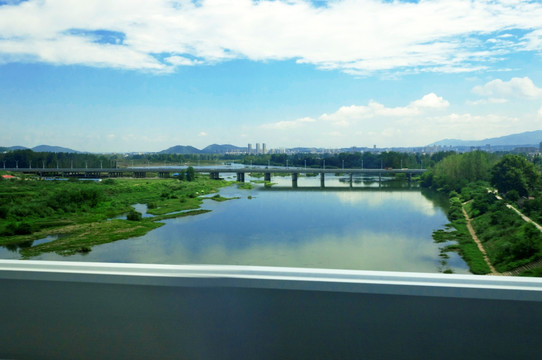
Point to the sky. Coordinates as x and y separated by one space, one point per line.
145 75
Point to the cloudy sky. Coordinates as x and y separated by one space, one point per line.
144 75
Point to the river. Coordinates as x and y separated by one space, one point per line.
365 227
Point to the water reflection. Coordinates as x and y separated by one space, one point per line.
375 229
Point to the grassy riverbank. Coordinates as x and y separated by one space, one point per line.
508 240
80 214
457 231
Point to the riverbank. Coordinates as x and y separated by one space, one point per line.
457 231
492 236
77 215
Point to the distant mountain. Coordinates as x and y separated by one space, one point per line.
222 149
40 148
181 149
525 138
13 148
54 149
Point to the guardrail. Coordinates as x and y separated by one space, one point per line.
95 310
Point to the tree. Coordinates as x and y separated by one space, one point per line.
514 172
190 173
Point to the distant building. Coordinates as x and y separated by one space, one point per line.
258 150
540 147
249 148
264 148
525 150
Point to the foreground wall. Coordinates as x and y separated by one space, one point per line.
56 310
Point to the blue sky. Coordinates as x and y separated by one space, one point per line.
136 75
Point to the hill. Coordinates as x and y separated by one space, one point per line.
55 149
181 149
222 149
532 138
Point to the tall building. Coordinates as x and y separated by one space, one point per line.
249 149
258 148
540 147
264 148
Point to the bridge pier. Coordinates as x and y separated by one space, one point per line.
294 179
163 174
214 175
240 177
409 178
322 180
267 176
351 179
140 174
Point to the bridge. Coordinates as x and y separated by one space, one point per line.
78 310
214 173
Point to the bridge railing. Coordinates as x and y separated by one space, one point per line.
95 310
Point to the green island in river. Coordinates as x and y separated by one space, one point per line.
81 214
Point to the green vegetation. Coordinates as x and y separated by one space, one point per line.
508 240
456 171
245 186
515 174
368 160
80 212
457 231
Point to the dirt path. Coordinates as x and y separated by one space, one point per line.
479 243
524 217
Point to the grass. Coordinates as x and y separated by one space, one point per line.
80 211
245 186
457 231
508 240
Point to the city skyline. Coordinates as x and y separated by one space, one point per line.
147 75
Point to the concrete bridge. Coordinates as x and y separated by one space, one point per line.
214 173
78 310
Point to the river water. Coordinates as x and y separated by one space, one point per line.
365 226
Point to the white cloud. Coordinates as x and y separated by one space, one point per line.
540 112
431 101
487 101
202 133
283 125
373 122
348 114
514 88
359 37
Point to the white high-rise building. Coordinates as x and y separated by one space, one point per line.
258 148
249 149
264 148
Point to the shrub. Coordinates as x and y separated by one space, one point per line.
23 229
4 210
134 216
512 195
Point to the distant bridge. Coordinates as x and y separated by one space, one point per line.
214 173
